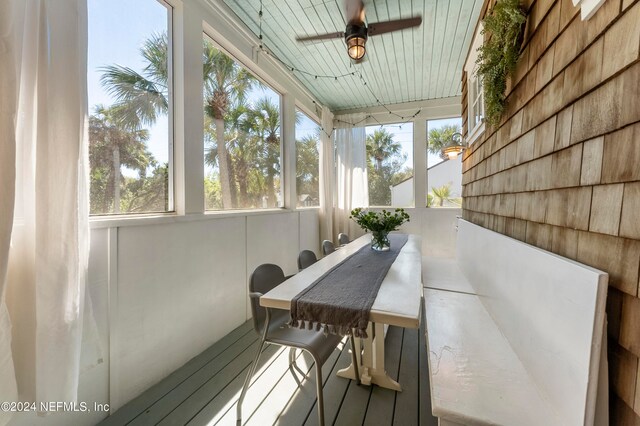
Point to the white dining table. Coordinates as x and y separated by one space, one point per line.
397 303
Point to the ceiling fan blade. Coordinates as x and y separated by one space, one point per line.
396 25
354 11
321 37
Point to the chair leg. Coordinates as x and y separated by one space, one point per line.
354 359
293 365
247 382
319 391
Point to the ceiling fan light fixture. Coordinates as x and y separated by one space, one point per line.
355 47
356 38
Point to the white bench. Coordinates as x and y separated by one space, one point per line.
515 335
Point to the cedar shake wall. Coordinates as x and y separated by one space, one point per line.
562 170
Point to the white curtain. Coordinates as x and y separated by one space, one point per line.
327 175
8 105
352 189
44 231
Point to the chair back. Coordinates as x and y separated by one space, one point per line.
343 239
328 247
306 258
265 278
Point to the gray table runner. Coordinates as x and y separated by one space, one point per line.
340 300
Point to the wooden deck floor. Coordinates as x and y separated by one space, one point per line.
205 390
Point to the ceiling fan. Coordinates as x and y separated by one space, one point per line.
356 33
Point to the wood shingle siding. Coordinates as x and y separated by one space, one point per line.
562 169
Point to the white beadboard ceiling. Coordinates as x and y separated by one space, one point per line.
409 65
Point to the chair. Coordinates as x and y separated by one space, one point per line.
273 328
328 247
343 239
306 258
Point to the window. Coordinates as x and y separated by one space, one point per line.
444 176
307 161
390 165
241 136
476 103
475 94
129 80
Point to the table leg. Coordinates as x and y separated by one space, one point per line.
349 372
371 365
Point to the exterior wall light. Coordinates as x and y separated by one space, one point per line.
454 148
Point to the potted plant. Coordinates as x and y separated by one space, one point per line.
498 56
380 224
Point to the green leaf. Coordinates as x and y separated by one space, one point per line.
499 54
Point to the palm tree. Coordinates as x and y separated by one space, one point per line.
307 165
380 146
225 83
264 121
243 151
441 195
112 146
441 137
140 98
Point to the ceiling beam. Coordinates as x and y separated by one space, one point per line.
429 109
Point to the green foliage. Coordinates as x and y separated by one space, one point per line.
111 146
441 137
401 176
212 192
499 54
307 168
384 221
148 193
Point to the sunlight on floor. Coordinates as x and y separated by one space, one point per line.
271 389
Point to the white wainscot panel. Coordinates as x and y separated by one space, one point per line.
310 231
274 239
181 287
439 231
437 226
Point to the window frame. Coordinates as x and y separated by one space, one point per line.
171 89
428 168
207 33
99 218
475 91
315 120
413 166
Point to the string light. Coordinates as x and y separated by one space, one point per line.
406 119
335 77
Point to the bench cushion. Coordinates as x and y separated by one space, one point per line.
476 378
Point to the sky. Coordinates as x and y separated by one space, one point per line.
306 126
